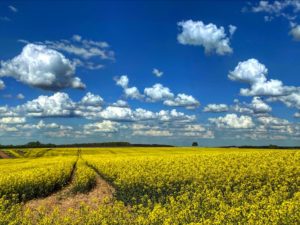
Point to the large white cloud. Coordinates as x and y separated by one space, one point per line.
233 121
41 67
250 71
58 104
158 93
255 73
212 38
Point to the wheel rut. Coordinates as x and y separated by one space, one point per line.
65 199
3 155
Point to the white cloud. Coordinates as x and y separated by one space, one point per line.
284 8
6 111
85 53
274 121
130 92
122 81
295 32
254 73
183 100
2 85
83 48
287 9
233 121
297 115
260 106
157 72
121 103
212 38
153 133
117 114
133 93
58 104
250 71
12 8
232 29
105 126
20 96
41 67
12 120
291 100
216 108
92 100
158 93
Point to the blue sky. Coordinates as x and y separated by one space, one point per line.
173 72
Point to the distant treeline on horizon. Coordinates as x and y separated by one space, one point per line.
37 144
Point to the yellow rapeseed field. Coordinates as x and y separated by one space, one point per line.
157 186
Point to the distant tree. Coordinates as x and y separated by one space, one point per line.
195 144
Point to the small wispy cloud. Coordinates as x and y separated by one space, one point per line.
13 9
157 72
5 18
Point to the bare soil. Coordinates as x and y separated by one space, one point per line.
4 155
64 199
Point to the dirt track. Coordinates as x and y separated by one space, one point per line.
3 155
64 200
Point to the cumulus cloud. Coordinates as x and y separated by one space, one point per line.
297 115
260 106
41 67
20 96
92 100
212 38
233 121
291 100
157 72
58 104
85 53
273 121
130 92
216 108
133 93
295 32
254 73
105 126
12 120
121 103
183 100
2 85
158 93
126 114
